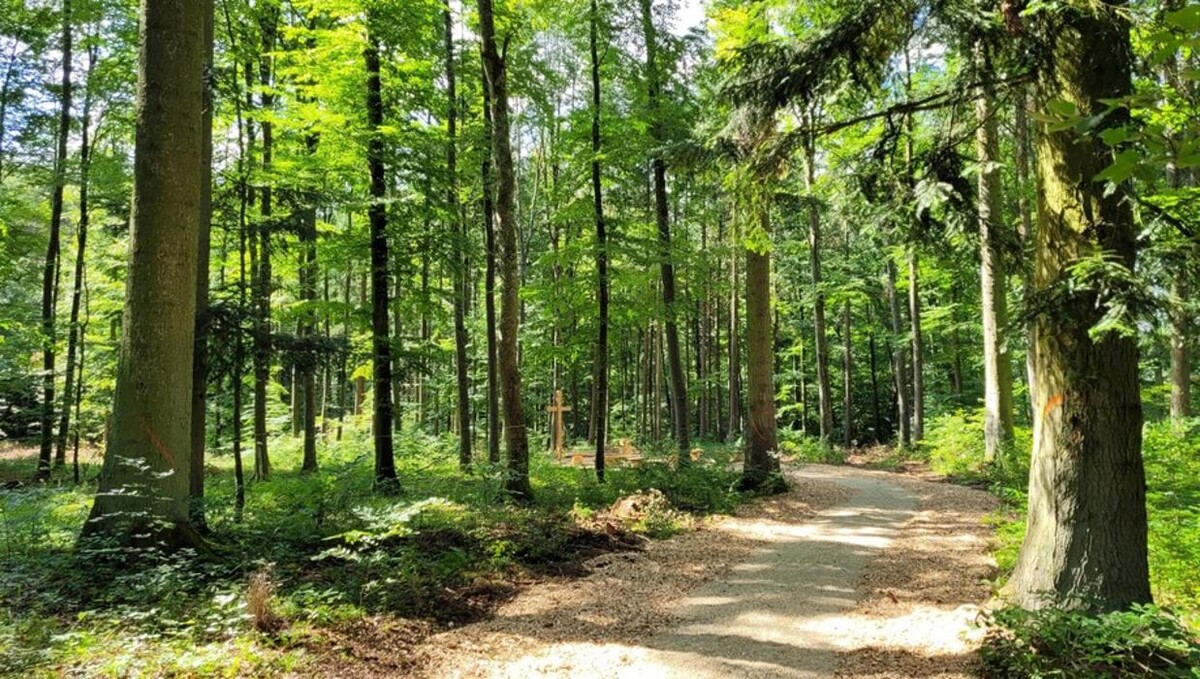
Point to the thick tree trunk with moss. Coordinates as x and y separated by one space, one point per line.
143 493
516 438
761 460
997 366
1085 545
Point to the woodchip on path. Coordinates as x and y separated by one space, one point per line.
852 573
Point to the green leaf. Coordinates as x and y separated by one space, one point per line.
1123 167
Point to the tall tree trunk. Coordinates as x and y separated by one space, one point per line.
381 355
997 367
495 66
489 290
459 270
1024 152
1085 542
875 415
143 493
601 398
678 384
847 379
734 428
761 460
307 368
74 332
53 253
204 246
918 351
899 361
1181 364
824 391
263 285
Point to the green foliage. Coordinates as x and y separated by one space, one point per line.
1142 642
954 446
335 551
809 448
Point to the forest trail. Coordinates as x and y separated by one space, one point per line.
852 573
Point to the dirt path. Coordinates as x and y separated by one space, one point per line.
853 573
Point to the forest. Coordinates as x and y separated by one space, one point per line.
507 337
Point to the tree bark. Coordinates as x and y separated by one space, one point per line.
824 391
263 284
489 287
143 494
847 379
385 459
200 366
898 357
459 270
307 369
1085 542
762 457
918 352
997 366
516 439
1181 363
74 332
53 254
678 383
734 428
601 398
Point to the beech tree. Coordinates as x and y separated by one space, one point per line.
143 492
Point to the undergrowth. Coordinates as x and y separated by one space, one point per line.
1145 641
311 552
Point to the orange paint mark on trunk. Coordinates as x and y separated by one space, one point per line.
1054 402
158 444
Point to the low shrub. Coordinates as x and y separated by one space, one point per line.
805 448
1145 641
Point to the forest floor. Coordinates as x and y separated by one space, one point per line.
853 572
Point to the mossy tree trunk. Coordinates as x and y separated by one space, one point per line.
1085 544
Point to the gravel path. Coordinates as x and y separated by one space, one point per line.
792 587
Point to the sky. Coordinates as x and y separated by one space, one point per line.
691 14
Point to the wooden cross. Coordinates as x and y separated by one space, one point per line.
556 410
